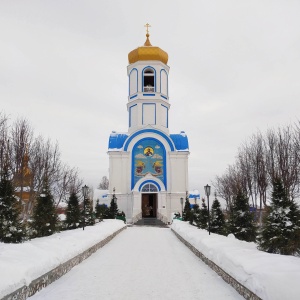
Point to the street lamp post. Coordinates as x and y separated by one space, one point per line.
85 190
207 193
181 202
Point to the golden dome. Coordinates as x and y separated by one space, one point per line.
24 176
147 52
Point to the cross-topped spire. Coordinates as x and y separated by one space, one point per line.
147 43
147 25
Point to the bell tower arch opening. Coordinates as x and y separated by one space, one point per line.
149 79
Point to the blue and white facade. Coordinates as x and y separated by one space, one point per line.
148 166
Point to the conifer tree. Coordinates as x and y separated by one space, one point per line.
217 218
12 229
101 211
98 212
44 218
186 215
241 222
202 219
194 215
73 212
87 214
281 230
113 209
121 216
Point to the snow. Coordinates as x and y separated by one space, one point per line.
62 217
102 196
270 276
24 189
194 194
141 263
63 204
147 263
27 261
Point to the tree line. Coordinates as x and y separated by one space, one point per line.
44 220
279 233
30 159
259 162
264 176
33 182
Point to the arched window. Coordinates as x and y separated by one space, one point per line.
133 81
148 80
149 188
164 82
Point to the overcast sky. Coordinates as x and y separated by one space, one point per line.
234 70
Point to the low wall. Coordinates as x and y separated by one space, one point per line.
241 289
44 280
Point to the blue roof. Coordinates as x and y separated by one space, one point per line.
116 140
180 141
196 196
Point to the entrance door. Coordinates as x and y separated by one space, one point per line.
149 205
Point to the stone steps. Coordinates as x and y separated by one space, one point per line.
150 222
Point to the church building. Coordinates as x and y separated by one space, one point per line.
148 166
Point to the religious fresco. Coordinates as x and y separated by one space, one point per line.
148 158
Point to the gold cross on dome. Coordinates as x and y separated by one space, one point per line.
147 25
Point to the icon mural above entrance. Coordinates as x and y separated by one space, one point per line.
148 158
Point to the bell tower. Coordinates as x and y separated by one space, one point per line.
148 99
148 166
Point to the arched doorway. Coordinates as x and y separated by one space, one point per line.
149 201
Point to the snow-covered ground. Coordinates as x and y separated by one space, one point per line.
270 276
22 263
141 263
147 263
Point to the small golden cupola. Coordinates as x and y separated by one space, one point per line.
147 52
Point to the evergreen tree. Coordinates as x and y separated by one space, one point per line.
217 218
44 218
113 209
87 214
186 215
73 212
241 222
12 229
194 214
121 216
202 220
280 232
101 211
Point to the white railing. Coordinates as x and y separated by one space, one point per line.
148 88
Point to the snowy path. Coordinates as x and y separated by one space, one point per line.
141 263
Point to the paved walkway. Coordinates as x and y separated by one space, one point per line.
141 263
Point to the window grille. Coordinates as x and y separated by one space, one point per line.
149 188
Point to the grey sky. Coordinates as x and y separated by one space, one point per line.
235 69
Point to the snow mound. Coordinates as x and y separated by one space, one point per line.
269 276
27 261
